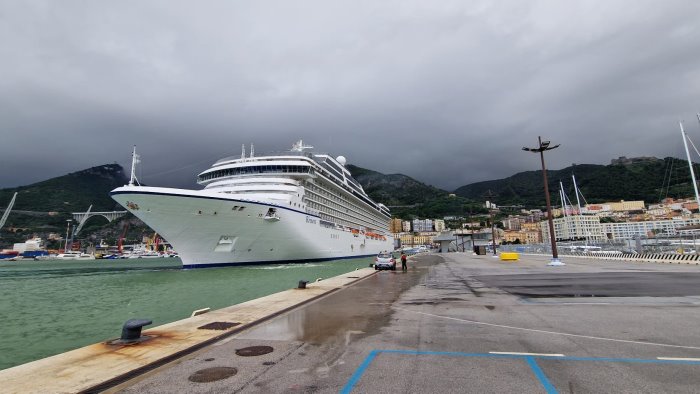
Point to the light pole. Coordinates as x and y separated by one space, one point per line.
490 195
542 147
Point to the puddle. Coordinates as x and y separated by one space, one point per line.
361 309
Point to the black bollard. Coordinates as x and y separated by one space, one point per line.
132 329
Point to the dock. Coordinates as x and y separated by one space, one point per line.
453 323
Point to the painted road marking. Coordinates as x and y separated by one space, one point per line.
547 332
529 354
530 359
678 358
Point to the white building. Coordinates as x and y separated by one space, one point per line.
574 227
629 230
439 225
589 227
406 226
423 225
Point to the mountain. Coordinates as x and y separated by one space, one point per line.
649 180
407 197
44 207
74 192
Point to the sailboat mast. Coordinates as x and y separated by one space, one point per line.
690 164
578 201
563 198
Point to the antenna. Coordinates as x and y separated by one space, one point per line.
135 159
252 150
243 152
299 146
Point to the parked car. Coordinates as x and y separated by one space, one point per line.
385 260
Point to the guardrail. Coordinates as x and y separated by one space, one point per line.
643 257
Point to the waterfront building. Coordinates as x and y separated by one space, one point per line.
395 225
439 225
511 236
573 227
589 227
413 239
406 226
630 230
422 225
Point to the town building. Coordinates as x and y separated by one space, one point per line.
574 227
439 225
630 230
406 226
513 223
422 225
395 226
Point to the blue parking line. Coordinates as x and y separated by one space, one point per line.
540 375
358 374
530 359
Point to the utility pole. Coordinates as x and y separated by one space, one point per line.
541 148
490 195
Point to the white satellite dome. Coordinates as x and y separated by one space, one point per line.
341 160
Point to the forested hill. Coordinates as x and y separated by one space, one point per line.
649 181
74 192
407 197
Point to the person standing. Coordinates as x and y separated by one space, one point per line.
403 262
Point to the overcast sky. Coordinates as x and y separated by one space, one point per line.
446 92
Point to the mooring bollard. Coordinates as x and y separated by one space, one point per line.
302 284
132 329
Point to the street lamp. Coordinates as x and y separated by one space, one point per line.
490 196
544 146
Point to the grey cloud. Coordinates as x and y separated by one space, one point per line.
445 92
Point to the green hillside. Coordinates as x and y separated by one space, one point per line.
649 181
407 197
44 207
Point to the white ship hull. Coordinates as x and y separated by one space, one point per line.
208 228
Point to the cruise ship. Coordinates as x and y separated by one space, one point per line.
297 206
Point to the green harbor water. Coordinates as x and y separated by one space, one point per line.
49 307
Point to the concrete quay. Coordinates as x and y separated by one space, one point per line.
458 323
454 323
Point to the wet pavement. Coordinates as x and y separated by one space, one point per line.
454 324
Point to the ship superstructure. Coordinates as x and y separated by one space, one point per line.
288 207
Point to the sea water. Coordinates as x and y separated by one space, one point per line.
49 307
